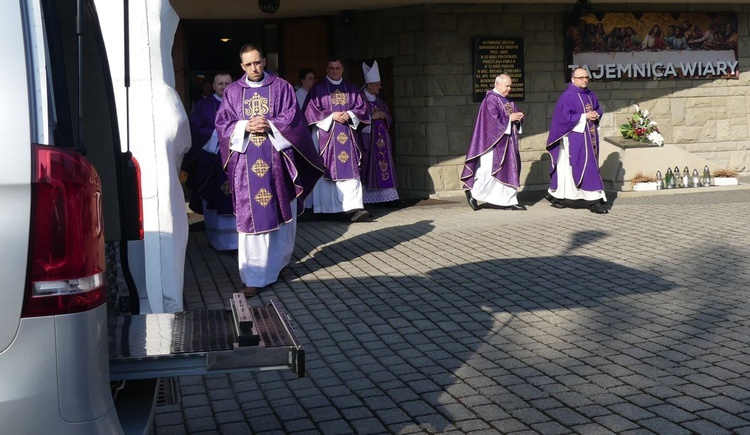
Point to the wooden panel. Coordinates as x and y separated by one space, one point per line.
305 45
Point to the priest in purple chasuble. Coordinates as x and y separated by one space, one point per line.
271 165
492 170
573 144
334 109
206 177
378 173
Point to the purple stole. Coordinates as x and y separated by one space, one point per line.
338 147
489 134
584 148
589 169
212 184
210 180
378 168
591 132
507 143
261 203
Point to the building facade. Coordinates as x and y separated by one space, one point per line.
431 51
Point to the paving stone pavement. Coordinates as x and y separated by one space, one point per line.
439 319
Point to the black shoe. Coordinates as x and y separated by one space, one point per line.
599 208
554 202
360 216
472 202
516 207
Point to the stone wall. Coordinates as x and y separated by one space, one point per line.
434 111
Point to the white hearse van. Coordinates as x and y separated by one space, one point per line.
76 356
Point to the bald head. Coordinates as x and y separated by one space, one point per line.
503 78
503 84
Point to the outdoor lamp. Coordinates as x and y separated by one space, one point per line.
659 181
706 176
670 183
269 6
678 177
696 179
686 177
583 6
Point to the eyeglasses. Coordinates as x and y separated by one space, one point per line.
582 78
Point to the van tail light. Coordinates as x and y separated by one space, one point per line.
132 207
66 267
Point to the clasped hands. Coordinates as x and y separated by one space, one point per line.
516 116
377 114
592 116
342 117
257 125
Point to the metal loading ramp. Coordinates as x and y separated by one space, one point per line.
204 341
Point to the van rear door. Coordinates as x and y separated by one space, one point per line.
15 170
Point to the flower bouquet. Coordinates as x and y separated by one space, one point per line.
641 128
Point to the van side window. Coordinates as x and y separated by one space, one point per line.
57 90
47 90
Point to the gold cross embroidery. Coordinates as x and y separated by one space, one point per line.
225 188
260 168
257 139
343 157
342 138
263 197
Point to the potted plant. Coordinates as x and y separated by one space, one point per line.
642 182
641 128
725 177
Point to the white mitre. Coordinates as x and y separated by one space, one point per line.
372 74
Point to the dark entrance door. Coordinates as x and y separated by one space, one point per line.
304 45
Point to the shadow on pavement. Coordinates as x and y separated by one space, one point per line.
537 343
468 342
320 249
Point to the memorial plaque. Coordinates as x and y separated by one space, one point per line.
494 56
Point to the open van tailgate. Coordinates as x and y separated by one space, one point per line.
204 341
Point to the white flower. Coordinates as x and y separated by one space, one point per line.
652 124
645 113
656 138
636 107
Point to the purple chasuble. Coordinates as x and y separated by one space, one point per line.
378 171
201 128
489 134
263 181
338 146
583 147
206 177
256 177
